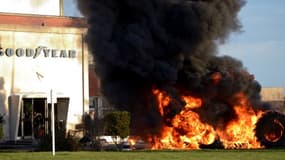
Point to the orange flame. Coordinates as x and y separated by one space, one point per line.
216 77
132 141
162 99
240 133
187 131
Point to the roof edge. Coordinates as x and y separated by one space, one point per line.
43 20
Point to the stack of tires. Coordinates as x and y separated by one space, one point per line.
270 129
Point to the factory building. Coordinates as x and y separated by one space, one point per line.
43 61
274 96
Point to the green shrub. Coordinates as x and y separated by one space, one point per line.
118 123
62 142
1 131
1 126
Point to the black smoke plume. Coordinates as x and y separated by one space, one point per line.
171 45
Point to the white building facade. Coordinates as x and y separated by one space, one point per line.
40 55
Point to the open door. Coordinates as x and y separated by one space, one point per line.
35 117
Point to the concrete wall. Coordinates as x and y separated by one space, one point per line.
272 94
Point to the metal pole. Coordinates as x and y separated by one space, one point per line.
61 7
52 123
32 120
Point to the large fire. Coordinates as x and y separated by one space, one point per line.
187 131
161 57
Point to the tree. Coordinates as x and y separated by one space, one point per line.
117 123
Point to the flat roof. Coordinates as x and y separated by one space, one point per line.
38 20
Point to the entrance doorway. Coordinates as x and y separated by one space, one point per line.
35 117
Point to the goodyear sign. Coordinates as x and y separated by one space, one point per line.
34 53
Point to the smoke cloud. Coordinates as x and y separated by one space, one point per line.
171 45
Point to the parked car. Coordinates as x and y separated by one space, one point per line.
126 146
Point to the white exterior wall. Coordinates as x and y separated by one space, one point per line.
40 7
36 76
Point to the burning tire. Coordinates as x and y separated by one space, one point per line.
217 144
270 129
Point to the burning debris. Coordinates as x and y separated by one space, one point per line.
270 129
158 60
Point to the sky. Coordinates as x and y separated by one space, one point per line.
260 45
